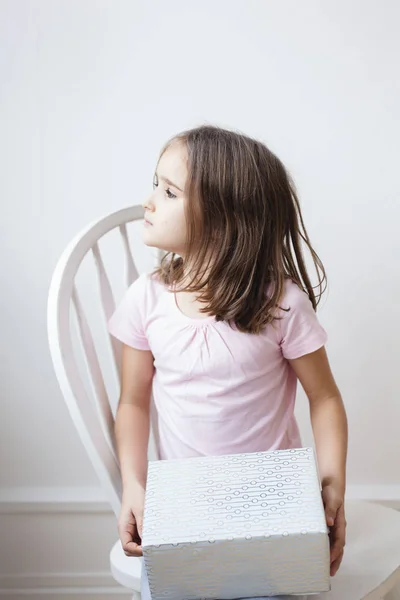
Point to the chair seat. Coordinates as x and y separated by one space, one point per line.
370 568
126 570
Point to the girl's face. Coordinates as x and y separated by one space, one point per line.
165 222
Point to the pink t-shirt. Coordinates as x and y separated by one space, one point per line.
217 390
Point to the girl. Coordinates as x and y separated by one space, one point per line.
221 332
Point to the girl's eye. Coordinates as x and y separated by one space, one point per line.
169 193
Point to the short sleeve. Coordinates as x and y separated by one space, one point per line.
301 332
128 321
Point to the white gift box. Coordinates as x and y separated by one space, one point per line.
245 525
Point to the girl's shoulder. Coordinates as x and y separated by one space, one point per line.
298 324
137 305
294 297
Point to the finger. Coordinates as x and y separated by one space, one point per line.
126 533
130 540
336 551
336 564
332 503
330 513
330 518
338 535
132 549
131 543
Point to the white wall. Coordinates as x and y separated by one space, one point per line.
89 92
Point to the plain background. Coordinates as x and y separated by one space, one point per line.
91 89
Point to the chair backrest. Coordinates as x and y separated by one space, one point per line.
88 401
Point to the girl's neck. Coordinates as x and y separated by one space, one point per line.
187 301
189 305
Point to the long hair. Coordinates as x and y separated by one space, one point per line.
245 230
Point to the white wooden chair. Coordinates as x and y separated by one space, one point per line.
371 566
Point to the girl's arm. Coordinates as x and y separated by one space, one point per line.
329 423
132 423
132 427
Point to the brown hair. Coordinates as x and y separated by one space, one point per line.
245 230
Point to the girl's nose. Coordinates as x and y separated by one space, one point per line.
148 204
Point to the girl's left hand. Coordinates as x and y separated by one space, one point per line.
333 500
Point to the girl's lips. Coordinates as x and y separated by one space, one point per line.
147 223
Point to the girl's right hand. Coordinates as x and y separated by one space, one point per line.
130 522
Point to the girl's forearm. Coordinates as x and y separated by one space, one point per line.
329 423
132 428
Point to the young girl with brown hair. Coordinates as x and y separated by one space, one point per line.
223 330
